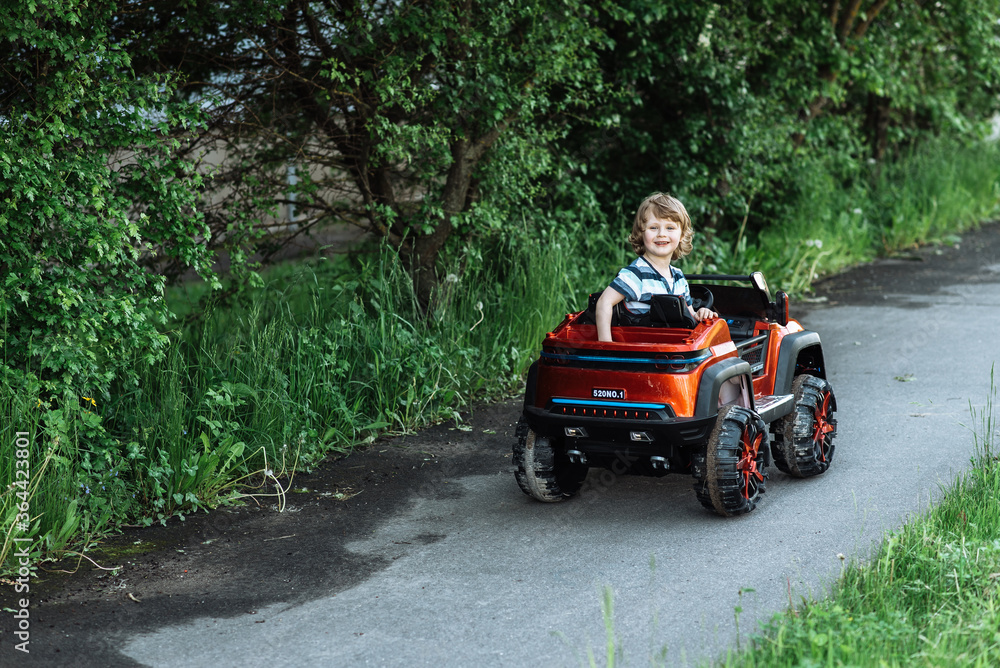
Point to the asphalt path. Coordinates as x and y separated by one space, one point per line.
462 569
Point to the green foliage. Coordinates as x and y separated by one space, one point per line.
322 358
87 183
494 146
728 102
689 124
425 123
433 123
928 194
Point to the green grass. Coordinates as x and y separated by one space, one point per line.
329 354
322 358
931 194
929 596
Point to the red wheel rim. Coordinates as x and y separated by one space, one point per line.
750 442
822 426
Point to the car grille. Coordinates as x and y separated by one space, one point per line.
754 352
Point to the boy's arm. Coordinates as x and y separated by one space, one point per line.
605 306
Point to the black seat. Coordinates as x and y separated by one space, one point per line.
664 311
670 311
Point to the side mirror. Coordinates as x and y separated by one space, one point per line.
757 278
781 308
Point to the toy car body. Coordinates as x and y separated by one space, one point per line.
648 403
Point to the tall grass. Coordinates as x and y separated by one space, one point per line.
930 194
325 356
329 354
46 483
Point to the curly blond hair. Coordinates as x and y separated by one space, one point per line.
664 207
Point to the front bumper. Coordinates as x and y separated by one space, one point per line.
605 440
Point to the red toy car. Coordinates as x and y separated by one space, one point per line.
648 403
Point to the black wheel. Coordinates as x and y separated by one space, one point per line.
542 472
732 473
701 297
803 444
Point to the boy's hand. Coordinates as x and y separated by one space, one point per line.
705 313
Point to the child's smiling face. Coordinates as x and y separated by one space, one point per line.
661 237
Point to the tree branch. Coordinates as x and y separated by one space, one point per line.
847 21
834 13
870 15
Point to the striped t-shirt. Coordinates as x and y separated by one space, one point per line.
639 281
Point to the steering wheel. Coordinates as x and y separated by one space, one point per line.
701 297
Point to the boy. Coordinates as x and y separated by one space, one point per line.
661 232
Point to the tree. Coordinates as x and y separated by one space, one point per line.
903 68
88 186
691 123
420 122
726 99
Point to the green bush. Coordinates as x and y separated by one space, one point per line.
88 184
